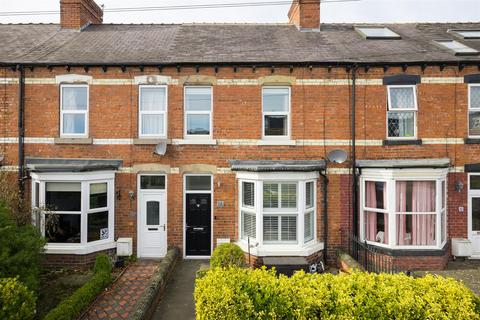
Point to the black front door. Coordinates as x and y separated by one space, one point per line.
198 224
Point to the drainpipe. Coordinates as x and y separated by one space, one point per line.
325 214
21 131
354 155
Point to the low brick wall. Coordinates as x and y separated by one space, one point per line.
71 261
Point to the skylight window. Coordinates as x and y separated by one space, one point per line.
467 34
456 47
379 33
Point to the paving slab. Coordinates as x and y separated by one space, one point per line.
177 302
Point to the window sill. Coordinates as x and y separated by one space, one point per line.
195 141
276 142
73 141
282 250
77 248
412 142
413 252
150 141
472 141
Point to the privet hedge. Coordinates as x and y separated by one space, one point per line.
17 302
71 307
260 294
227 255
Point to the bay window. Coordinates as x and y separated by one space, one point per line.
77 210
404 208
402 112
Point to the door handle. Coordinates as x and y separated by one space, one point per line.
164 227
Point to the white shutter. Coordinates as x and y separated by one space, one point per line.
309 195
289 195
308 226
270 228
248 225
248 194
270 195
289 228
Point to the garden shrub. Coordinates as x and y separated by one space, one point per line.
227 255
236 293
72 307
17 302
21 249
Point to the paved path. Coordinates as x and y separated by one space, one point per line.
120 298
177 302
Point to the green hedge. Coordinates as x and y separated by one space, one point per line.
72 307
17 302
227 255
259 294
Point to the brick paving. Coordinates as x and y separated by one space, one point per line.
121 297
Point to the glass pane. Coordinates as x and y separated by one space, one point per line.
198 124
152 182
456 46
270 195
98 195
308 226
152 99
248 225
375 194
62 228
198 99
381 32
73 123
153 213
475 214
270 228
63 196
37 195
289 228
444 225
275 100
248 194
289 195
276 125
74 98
443 194
97 226
475 97
416 229
402 98
198 183
475 182
415 196
401 124
469 34
474 123
153 124
376 227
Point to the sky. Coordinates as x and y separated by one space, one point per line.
368 11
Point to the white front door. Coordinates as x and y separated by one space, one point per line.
474 213
152 237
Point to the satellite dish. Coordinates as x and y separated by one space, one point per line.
337 156
161 148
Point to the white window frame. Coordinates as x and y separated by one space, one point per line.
186 113
470 109
390 177
164 113
258 246
85 179
287 113
414 110
85 112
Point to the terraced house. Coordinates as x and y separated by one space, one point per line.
197 134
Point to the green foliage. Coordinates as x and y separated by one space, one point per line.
21 248
236 293
17 302
70 308
227 255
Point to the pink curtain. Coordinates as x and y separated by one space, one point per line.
401 200
423 200
370 217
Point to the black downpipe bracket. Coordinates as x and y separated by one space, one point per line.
21 131
325 214
354 155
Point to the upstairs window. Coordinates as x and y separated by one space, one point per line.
474 110
74 111
402 112
378 33
276 112
459 49
198 112
152 111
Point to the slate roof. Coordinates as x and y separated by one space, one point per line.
224 43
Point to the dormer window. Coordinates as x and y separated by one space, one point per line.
377 33
466 34
458 48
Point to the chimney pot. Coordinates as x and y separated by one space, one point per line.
77 14
305 14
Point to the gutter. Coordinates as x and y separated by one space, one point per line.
21 131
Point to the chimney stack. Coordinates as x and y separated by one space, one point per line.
77 14
305 14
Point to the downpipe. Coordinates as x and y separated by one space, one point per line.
21 132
